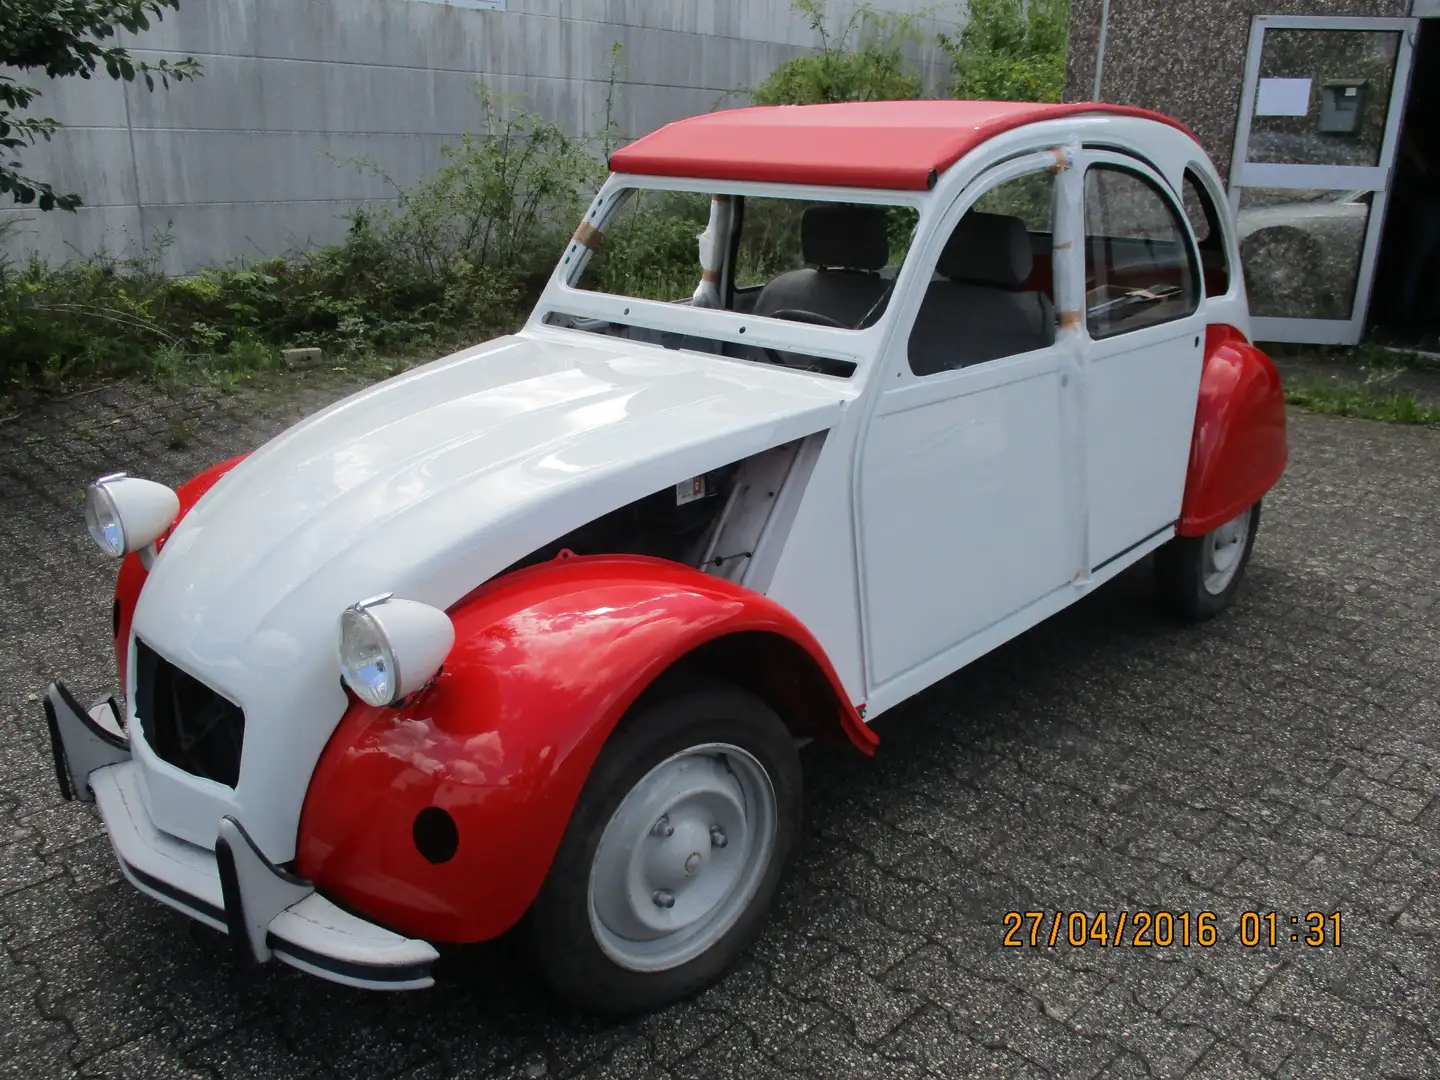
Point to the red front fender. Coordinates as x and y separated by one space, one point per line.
546 661
1238 449
132 572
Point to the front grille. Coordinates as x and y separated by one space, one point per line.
186 723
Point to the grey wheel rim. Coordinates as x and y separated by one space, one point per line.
1222 553
682 858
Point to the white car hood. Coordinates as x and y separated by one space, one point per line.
425 486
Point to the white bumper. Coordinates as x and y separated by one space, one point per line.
234 889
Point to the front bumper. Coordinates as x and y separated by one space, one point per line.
235 889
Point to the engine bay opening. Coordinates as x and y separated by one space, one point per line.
668 524
716 521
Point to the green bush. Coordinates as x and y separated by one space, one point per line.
456 259
862 62
1010 50
649 247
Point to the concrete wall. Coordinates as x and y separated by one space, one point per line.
242 162
1187 60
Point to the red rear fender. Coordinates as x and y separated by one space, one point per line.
1238 450
546 661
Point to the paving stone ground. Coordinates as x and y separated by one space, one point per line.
1284 758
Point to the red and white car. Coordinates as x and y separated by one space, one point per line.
527 638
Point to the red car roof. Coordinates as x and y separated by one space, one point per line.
902 145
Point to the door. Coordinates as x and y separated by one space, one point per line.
1314 151
963 511
1144 349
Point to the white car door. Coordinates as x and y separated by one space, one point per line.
1144 348
965 514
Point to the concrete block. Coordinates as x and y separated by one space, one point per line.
299 359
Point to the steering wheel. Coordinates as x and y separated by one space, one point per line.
800 315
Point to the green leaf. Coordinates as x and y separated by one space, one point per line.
62 39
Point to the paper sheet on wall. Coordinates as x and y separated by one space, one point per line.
1283 97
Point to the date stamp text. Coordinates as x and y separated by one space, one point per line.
1166 929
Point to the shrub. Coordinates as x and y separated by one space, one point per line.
863 62
649 247
505 200
1010 50
454 260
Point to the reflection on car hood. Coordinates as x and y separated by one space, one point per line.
431 482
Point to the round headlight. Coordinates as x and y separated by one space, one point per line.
390 648
125 514
102 519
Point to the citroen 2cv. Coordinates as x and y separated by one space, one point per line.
527 638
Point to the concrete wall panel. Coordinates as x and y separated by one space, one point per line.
178 167
91 230
241 160
246 231
95 161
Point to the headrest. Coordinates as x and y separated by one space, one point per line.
845 236
988 249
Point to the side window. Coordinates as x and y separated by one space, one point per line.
1204 220
992 293
1139 267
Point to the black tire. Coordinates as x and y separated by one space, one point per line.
1180 575
559 935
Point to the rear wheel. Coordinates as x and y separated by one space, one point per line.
673 851
1198 576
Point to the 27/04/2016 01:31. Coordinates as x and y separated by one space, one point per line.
1163 929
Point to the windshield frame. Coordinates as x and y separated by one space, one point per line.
859 347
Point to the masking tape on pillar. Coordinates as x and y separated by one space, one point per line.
587 236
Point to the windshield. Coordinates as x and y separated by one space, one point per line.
828 263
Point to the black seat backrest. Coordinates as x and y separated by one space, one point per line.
988 249
981 310
846 247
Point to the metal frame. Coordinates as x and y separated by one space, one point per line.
1374 178
1100 49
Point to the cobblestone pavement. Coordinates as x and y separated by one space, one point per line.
1283 758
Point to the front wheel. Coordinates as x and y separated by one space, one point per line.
1198 576
672 854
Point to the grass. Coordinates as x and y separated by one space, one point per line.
1369 381
1366 357
1363 399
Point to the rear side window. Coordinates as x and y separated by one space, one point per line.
1205 221
1139 267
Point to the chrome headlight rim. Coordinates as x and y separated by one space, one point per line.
358 616
98 501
